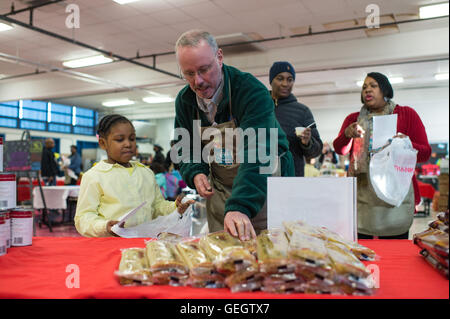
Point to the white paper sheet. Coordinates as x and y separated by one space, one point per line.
319 201
384 128
124 218
172 223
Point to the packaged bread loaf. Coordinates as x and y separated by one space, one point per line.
166 264
134 267
227 253
272 251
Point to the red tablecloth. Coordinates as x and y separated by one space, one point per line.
42 270
426 190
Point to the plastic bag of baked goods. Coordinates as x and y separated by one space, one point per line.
232 259
282 283
433 239
433 260
301 227
247 279
227 253
202 272
310 256
360 251
324 233
307 249
165 263
272 251
134 267
350 274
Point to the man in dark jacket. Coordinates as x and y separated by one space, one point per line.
291 114
49 167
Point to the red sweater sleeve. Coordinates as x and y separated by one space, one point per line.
342 145
410 124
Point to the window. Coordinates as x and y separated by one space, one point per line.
52 127
85 121
33 125
60 113
47 116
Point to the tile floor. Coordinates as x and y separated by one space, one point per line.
419 224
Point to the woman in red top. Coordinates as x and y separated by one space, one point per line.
376 217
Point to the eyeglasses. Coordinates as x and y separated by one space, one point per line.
203 71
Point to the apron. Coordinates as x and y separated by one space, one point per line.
223 169
375 216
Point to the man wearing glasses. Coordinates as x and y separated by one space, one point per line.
221 97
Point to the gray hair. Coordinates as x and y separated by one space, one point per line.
192 38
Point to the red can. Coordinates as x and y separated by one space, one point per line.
8 199
21 226
8 228
2 234
1 154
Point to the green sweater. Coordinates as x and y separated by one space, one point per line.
252 107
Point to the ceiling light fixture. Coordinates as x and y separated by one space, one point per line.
5 26
158 99
93 60
441 76
118 103
433 11
396 80
125 1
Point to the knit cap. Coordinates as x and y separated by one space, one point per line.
279 67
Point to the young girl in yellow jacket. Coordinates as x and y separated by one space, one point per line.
117 185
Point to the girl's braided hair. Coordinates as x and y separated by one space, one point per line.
105 124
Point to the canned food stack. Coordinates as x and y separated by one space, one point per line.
8 201
16 223
295 258
434 243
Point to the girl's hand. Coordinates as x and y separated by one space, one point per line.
181 207
109 225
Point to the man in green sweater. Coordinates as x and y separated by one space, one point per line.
220 100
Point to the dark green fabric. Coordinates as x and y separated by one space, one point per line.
252 107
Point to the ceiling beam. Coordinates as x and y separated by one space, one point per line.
84 45
31 8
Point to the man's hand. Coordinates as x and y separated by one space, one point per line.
202 185
239 225
305 137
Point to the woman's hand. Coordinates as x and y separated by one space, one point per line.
400 135
354 130
181 207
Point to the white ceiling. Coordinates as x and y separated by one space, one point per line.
31 64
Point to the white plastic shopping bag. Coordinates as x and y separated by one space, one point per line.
173 223
391 170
